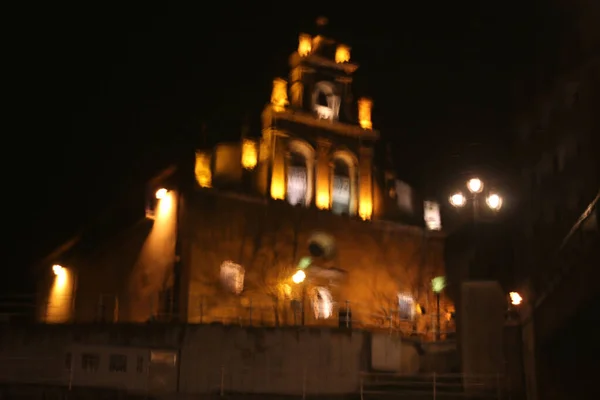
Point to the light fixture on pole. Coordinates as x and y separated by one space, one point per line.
475 185
494 202
437 286
299 279
458 200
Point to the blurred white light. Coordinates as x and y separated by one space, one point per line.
458 200
161 193
494 201
232 277
322 303
475 185
299 276
515 298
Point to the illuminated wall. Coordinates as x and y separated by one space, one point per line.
342 54
365 203
152 273
227 163
59 308
323 198
364 113
279 97
270 240
202 169
278 182
249 154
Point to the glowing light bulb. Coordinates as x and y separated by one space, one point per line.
299 276
458 200
475 185
494 202
161 193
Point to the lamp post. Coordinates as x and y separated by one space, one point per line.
475 186
437 285
299 279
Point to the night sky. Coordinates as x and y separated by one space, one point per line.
118 93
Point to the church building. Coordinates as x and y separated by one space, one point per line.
302 224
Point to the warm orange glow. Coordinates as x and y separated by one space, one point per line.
155 260
342 54
299 276
277 188
322 200
364 113
304 45
322 181
279 97
161 193
58 270
365 209
60 299
202 170
249 154
515 298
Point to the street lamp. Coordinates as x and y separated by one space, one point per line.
161 193
437 285
475 187
298 278
515 298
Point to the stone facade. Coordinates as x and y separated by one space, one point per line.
310 193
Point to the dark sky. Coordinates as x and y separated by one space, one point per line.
116 92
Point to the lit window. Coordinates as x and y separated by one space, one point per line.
341 188
232 277
406 307
297 180
322 303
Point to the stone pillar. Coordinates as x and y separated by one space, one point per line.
278 173
365 183
322 193
483 308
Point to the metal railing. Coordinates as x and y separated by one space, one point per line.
345 314
444 386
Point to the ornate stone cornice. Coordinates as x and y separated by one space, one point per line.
304 118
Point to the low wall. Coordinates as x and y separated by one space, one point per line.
210 358
204 358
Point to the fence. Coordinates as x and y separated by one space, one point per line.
432 386
346 314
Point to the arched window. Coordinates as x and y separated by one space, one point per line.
341 193
326 102
300 172
322 99
297 179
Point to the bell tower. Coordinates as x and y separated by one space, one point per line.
317 141
321 77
